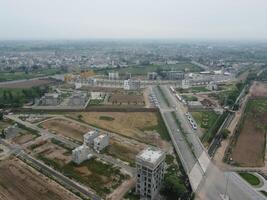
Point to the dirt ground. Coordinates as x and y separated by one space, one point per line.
53 152
131 124
126 99
23 138
66 128
18 181
258 89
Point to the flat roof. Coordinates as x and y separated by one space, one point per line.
151 154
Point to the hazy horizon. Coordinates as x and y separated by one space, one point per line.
139 19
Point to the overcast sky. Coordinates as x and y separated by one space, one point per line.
175 19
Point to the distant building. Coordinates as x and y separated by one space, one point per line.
152 75
89 137
78 99
50 99
11 131
101 142
131 84
185 84
97 95
150 172
175 75
113 75
81 154
212 86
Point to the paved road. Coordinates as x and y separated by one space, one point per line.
213 182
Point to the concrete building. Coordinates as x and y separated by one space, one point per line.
185 84
152 75
50 99
11 131
212 86
88 138
80 154
150 172
78 99
113 75
175 75
101 142
97 95
131 84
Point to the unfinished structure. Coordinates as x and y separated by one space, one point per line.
101 142
150 172
80 154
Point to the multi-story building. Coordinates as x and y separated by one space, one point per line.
80 154
150 172
50 99
101 142
113 75
89 137
152 75
131 84
175 75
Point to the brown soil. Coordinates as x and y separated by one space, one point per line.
250 145
258 89
18 181
66 128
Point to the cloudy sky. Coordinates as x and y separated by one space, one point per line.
174 19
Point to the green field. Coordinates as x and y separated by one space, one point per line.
143 70
9 76
205 120
250 178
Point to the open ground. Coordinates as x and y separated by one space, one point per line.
19 181
146 127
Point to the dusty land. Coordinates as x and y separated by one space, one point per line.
141 126
249 149
66 128
18 181
27 83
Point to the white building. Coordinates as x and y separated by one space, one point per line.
89 137
212 86
150 172
113 75
97 95
50 99
131 84
101 142
81 154
185 84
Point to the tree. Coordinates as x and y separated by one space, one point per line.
173 188
225 133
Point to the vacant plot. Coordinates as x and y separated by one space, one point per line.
66 128
24 137
49 150
145 127
19 181
258 89
99 176
124 150
127 98
249 149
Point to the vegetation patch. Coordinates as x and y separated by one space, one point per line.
107 118
250 178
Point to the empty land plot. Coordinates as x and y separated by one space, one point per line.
125 151
145 127
249 149
103 178
258 89
132 99
66 128
27 83
19 181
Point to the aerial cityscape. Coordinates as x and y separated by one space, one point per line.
94 108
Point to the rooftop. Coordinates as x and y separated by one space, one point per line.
151 154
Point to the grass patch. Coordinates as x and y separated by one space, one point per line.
160 128
101 177
107 118
263 192
250 178
189 98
